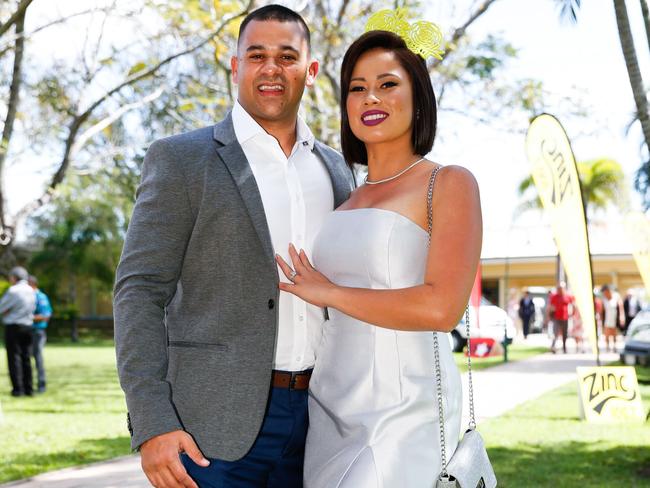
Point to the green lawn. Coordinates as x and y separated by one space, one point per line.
543 443
516 352
80 419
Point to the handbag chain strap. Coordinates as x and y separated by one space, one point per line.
436 351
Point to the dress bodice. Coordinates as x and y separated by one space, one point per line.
371 248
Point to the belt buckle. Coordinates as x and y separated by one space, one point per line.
292 381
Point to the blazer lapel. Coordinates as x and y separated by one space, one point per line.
235 160
341 175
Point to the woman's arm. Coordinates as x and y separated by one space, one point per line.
452 261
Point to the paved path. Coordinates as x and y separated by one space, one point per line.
497 390
502 388
122 472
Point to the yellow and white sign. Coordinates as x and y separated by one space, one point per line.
555 175
637 228
610 394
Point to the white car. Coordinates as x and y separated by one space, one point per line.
493 322
637 340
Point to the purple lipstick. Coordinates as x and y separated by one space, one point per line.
373 117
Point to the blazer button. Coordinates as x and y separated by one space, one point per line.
271 304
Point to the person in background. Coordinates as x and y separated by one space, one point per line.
614 316
599 308
548 325
577 330
17 311
526 312
631 307
560 311
42 314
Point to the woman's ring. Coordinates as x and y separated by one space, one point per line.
293 275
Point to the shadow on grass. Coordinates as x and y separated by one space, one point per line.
571 464
84 452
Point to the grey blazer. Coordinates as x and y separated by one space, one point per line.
196 293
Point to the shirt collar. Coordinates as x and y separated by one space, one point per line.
246 127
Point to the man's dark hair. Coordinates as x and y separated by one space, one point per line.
278 13
424 100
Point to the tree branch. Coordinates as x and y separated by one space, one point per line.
79 120
646 19
79 143
459 33
16 16
9 41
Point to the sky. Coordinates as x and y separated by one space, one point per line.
583 58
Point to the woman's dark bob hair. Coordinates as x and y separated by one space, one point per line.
424 117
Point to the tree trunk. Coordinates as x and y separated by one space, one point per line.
6 234
633 71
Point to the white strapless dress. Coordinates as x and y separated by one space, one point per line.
373 411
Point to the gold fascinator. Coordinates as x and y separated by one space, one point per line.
422 37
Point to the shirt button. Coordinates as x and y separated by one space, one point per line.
271 304
301 318
299 358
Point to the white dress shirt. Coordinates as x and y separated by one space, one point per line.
297 195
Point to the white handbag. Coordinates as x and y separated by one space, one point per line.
469 466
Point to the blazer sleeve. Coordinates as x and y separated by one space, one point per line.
145 282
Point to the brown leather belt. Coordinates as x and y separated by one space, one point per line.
298 380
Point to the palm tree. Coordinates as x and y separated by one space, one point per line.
602 182
569 9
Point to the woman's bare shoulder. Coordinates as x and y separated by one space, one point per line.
454 178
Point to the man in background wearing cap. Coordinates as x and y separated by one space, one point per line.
17 311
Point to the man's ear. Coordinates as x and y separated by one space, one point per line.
312 71
234 67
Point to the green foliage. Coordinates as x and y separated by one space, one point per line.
68 312
602 182
80 236
488 56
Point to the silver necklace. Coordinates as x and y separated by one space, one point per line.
376 182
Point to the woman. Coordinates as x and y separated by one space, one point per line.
614 316
373 405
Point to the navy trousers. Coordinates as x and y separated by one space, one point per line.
18 341
276 458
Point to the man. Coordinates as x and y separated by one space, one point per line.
17 310
526 312
42 314
614 316
631 307
213 360
560 311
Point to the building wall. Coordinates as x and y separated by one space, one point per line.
520 273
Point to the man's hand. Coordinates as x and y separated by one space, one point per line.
161 462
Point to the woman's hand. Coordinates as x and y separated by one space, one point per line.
306 282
